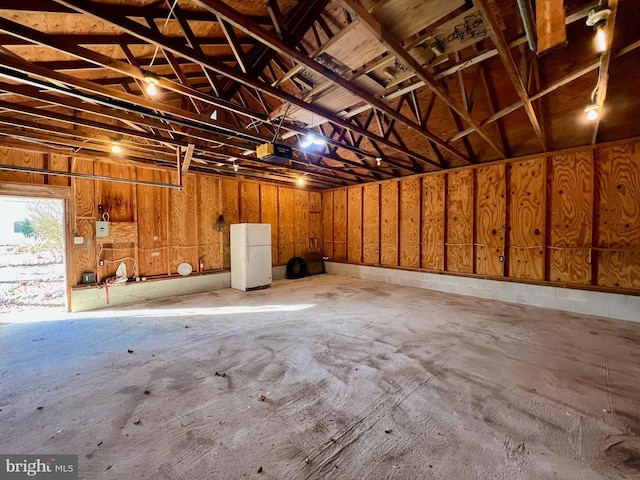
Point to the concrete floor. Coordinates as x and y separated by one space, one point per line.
360 380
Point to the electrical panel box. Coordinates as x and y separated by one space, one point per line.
102 229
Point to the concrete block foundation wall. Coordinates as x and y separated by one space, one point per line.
611 305
85 299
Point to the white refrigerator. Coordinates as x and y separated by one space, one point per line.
250 256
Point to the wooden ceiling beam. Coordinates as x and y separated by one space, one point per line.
232 38
547 90
510 65
175 66
60 133
99 39
296 24
196 44
117 65
75 120
147 34
118 100
219 8
148 122
492 103
279 23
47 6
605 61
378 31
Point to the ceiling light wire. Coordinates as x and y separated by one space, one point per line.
155 53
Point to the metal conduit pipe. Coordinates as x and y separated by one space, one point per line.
526 12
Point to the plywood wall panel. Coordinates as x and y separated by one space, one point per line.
301 225
460 221
354 227
119 202
526 238
371 224
183 224
571 212
249 202
433 222
410 222
389 213
152 216
83 258
618 216
490 219
269 214
229 199
315 230
61 164
327 224
315 202
286 221
340 225
208 210
117 199
21 158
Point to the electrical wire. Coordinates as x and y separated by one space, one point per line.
155 53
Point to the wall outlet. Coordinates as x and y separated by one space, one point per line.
78 240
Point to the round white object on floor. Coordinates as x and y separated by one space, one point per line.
185 269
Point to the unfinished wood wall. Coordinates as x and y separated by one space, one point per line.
158 228
571 218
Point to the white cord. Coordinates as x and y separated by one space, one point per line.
155 53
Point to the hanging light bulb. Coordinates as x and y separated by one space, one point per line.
378 161
592 111
306 141
319 140
597 18
300 181
601 38
235 167
116 148
151 89
312 139
151 79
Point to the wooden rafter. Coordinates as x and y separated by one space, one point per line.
279 23
66 137
204 137
234 43
296 24
605 61
125 68
547 90
220 9
512 69
375 28
140 31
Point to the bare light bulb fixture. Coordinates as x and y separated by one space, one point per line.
378 161
312 139
151 79
597 18
601 39
116 148
235 167
300 181
592 111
